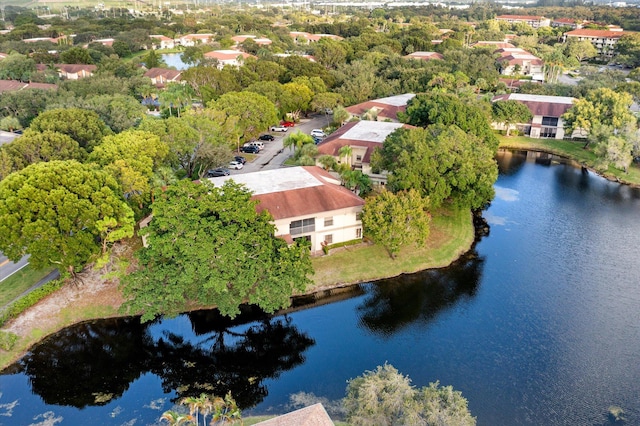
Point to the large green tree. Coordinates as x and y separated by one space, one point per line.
254 112
209 246
442 163
83 126
396 220
35 147
57 211
447 109
384 397
510 112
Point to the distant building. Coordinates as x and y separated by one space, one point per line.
228 57
381 109
533 21
15 85
568 22
547 114
493 44
512 59
75 71
425 56
305 38
105 41
603 40
260 41
195 39
161 76
162 42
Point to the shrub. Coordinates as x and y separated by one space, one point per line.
7 340
29 300
329 247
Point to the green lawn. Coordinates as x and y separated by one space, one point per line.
451 235
20 282
574 151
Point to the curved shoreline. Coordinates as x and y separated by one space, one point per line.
452 235
534 147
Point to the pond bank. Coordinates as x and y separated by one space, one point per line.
98 296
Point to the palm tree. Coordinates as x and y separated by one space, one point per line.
175 419
296 140
346 152
194 404
225 410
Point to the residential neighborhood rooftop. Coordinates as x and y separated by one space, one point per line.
371 131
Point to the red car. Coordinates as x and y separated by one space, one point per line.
287 123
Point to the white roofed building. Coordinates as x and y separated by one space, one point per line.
305 202
382 108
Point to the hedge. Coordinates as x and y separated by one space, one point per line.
29 300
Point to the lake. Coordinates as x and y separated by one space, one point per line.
539 324
174 60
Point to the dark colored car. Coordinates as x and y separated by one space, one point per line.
266 138
218 172
240 159
250 149
316 140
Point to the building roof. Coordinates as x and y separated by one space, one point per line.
387 107
167 73
546 106
161 37
14 85
295 191
314 415
497 44
594 33
366 134
227 55
521 17
425 55
75 68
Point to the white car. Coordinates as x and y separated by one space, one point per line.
236 165
279 128
318 133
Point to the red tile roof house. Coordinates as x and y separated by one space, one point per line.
304 37
75 71
193 39
15 85
534 21
604 41
493 44
260 41
164 41
314 415
528 64
161 76
382 108
426 56
228 57
363 137
547 115
305 202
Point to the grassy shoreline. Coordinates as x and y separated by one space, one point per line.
452 235
574 151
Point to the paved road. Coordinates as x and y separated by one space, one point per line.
8 268
274 155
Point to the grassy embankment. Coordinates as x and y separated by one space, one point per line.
574 151
451 235
18 283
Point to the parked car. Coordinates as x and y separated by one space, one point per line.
279 129
251 149
266 137
218 172
318 133
236 165
240 159
316 140
287 123
259 144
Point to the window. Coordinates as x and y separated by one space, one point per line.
328 221
359 233
549 121
548 132
358 157
359 216
328 239
302 226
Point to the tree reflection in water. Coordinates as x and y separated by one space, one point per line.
94 363
395 303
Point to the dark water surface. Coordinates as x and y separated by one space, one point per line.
539 324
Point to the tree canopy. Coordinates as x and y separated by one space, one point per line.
209 246
83 126
447 109
56 212
384 397
255 112
510 112
442 163
396 220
